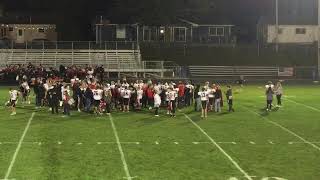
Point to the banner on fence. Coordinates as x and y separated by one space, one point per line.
286 71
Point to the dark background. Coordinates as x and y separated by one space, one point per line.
73 17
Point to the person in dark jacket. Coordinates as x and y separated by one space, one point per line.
36 89
42 94
269 96
53 96
88 96
230 98
197 104
218 99
77 94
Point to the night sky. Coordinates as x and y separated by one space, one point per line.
73 17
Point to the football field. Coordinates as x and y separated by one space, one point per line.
248 144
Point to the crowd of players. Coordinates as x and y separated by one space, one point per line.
88 93
93 95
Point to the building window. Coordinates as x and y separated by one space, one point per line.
41 30
146 34
180 34
20 32
216 31
280 30
300 30
10 28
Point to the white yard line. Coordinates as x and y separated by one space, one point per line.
19 146
292 142
301 104
220 148
211 142
124 162
285 129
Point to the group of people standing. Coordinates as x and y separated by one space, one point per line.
272 90
91 96
210 98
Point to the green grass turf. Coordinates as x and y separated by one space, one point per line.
167 147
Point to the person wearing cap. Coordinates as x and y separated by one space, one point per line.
53 96
230 98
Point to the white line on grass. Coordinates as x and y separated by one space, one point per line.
19 146
220 148
285 129
302 142
211 142
310 107
125 166
270 142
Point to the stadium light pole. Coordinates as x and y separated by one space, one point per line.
277 24
318 36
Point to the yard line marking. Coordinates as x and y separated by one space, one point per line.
251 142
19 146
176 143
310 107
211 142
125 166
220 148
98 142
79 143
285 129
131 177
302 142
117 142
227 142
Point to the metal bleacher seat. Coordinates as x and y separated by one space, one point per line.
233 71
112 59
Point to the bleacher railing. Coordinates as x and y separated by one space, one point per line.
91 45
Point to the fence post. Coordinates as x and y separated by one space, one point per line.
42 52
90 53
55 58
26 55
72 52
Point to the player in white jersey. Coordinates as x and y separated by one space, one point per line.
97 96
172 98
211 92
126 99
204 102
139 96
25 91
167 99
13 99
